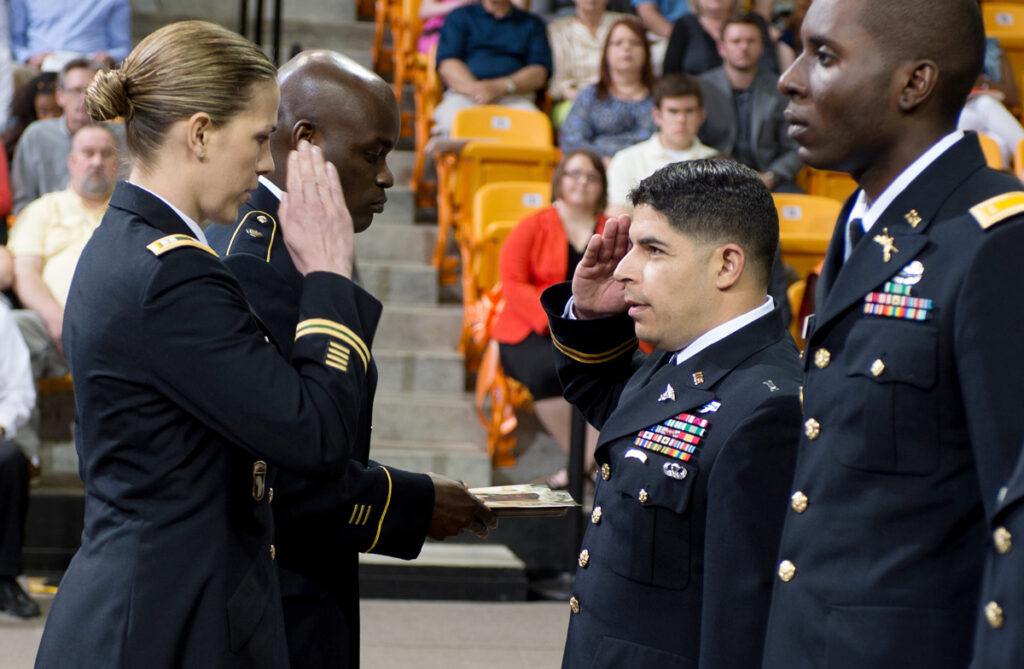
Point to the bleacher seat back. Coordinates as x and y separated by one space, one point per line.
806 223
993 152
482 163
486 270
508 201
1005 22
503 124
825 183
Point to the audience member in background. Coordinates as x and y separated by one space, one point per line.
17 397
6 270
984 112
46 35
744 107
541 251
790 35
616 111
47 240
694 47
998 76
41 161
678 114
490 53
658 16
577 44
33 101
433 13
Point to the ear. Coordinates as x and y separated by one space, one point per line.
656 116
198 129
302 130
919 80
731 261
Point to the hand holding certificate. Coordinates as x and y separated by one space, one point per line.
525 500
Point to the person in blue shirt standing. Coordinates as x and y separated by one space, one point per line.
490 53
65 29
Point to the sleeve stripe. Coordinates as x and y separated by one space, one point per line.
336 330
334 333
595 358
384 513
355 507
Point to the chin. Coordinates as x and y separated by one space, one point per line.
361 222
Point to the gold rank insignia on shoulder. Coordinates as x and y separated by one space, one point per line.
997 209
698 378
252 232
172 242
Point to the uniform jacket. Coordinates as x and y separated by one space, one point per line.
182 401
771 144
534 257
912 383
322 526
999 639
677 560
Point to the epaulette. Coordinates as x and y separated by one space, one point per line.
260 227
997 209
171 242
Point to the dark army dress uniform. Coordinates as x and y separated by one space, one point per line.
913 382
182 403
695 462
322 526
999 639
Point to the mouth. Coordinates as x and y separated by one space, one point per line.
377 207
636 309
797 126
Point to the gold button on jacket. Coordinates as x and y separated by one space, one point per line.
877 368
994 615
822 357
1003 540
606 471
787 570
595 517
798 501
812 429
273 552
584 558
642 496
574 604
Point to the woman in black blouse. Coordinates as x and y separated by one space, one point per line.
693 45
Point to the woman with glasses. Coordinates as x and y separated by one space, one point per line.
541 251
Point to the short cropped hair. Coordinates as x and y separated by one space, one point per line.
79 64
677 86
716 201
743 19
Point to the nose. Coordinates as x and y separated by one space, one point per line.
265 164
793 82
625 270
385 179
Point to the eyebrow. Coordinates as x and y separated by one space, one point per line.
651 241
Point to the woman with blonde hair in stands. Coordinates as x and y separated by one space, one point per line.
616 111
541 251
182 400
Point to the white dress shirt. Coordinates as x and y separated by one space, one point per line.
870 213
17 389
272 187
192 225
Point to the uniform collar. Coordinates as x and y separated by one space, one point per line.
192 226
272 187
720 332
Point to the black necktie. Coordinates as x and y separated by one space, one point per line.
856 232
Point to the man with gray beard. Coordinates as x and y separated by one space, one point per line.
47 240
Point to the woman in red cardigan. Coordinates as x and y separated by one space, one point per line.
543 250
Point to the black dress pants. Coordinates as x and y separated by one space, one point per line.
13 504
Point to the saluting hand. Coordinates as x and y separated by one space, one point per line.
317 225
455 510
595 292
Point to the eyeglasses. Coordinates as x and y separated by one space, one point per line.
590 177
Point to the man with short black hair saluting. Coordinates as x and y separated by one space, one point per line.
697 441
913 373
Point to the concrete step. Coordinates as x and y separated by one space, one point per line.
397 241
471 572
426 418
434 371
462 461
399 208
434 328
391 281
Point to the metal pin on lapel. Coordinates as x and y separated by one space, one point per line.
668 395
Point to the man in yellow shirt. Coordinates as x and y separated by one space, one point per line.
46 241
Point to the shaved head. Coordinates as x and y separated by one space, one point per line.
348 111
948 32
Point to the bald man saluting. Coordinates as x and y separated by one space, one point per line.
351 115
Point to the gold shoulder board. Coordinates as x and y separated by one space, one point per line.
997 209
171 242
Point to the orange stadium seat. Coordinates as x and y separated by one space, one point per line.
385 14
1018 158
426 94
835 185
410 64
805 228
993 153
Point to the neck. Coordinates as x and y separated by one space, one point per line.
672 145
591 18
571 212
168 184
740 79
497 10
627 80
885 168
93 202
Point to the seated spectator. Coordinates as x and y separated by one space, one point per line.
541 251
41 161
47 240
577 44
17 397
46 35
34 100
744 108
616 111
658 17
490 53
678 114
693 47
983 112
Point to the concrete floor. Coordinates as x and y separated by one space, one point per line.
406 634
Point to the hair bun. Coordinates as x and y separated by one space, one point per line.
107 96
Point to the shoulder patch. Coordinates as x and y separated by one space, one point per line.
997 209
260 226
171 242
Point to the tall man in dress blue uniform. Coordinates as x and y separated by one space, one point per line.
698 441
913 370
330 101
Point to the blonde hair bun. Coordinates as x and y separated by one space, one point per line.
107 96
